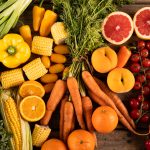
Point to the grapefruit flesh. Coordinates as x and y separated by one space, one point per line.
142 23
117 28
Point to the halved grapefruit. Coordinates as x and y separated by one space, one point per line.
141 22
117 27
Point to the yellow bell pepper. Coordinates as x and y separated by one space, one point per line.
14 50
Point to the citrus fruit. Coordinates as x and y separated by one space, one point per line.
81 140
53 144
117 27
141 22
32 108
29 88
104 119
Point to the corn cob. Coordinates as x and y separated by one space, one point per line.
13 119
40 134
42 45
59 33
12 78
34 69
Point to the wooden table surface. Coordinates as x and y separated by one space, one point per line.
120 139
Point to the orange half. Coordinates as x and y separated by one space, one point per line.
29 88
32 108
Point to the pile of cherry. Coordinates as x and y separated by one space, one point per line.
140 66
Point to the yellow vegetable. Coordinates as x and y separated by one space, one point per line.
12 78
46 61
49 78
57 68
58 58
14 50
14 123
61 49
34 69
48 87
40 135
59 33
42 45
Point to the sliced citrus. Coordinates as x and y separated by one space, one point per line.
117 27
32 108
141 22
29 88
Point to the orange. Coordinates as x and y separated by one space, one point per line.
31 88
32 108
81 140
53 144
104 119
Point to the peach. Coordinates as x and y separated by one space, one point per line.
104 59
120 80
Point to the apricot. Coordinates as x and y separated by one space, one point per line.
120 80
104 59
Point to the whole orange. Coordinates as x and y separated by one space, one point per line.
81 140
53 144
104 119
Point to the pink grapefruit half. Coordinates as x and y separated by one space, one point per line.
141 22
117 27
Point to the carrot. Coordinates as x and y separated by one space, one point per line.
73 123
123 56
76 99
55 97
116 100
95 89
61 121
68 119
87 111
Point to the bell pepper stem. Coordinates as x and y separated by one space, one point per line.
41 3
11 50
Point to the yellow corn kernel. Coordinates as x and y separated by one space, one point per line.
59 33
34 69
46 61
57 68
58 58
12 78
42 45
13 119
61 49
40 135
49 78
48 87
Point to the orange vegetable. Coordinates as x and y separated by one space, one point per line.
68 119
25 32
61 49
55 97
87 111
48 20
116 100
61 120
46 61
48 87
76 99
123 56
37 14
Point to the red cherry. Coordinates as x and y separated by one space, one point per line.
147 144
140 78
147 74
135 114
135 57
141 44
140 98
135 67
146 62
146 105
146 90
144 53
148 83
134 103
137 85
144 118
148 45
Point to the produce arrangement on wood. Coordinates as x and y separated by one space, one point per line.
75 59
